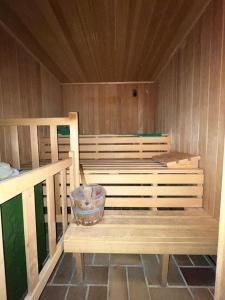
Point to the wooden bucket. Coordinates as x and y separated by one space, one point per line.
88 203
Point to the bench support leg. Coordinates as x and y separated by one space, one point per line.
79 257
164 269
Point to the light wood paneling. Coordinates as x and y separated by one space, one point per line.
111 108
191 99
27 89
89 41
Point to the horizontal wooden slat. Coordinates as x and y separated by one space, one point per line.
151 190
152 202
148 202
145 178
123 139
154 190
102 139
116 155
136 169
105 155
108 147
141 178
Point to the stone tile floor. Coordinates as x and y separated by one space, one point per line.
132 277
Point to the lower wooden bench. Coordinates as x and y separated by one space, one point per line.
145 232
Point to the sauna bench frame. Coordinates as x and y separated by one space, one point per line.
144 229
140 173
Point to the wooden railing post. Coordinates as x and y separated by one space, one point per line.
51 215
15 147
74 146
55 158
30 236
34 146
64 200
3 294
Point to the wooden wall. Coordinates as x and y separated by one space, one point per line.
191 98
27 89
111 108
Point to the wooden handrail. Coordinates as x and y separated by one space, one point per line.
35 121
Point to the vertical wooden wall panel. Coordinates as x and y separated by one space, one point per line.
27 89
111 108
191 98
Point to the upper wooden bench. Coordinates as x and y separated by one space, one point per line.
109 146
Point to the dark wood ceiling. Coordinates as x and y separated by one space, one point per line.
101 40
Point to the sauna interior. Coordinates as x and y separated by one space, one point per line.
129 95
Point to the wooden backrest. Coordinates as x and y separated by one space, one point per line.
110 146
146 184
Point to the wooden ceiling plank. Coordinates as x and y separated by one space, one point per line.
163 40
32 15
15 27
143 33
87 21
87 73
133 32
52 12
121 32
184 29
160 15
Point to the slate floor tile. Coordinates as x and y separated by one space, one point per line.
199 276
65 270
199 260
183 260
151 268
118 283
201 294
93 275
101 259
76 293
137 285
97 293
125 259
170 294
88 258
174 276
53 292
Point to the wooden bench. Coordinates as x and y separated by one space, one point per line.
169 180
144 182
145 232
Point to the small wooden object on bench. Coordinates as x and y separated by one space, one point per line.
178 160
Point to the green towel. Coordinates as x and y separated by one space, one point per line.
147 134
63 130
